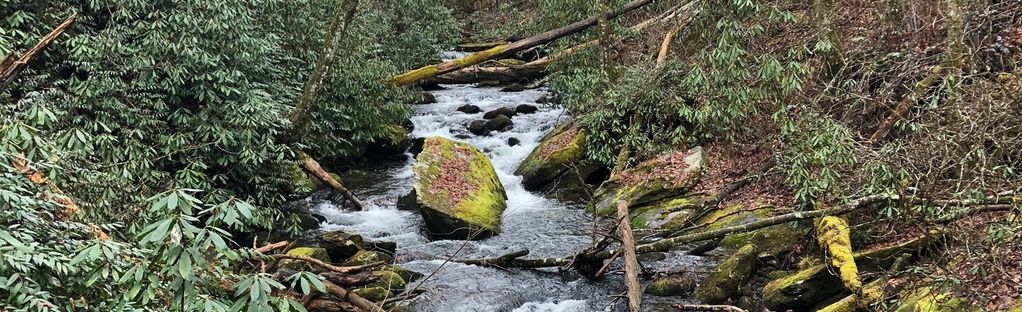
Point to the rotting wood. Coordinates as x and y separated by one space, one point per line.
624 230
425 72
312 167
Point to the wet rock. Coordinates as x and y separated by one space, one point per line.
363 257
489 83
669 175
514 87
407 202
558 152
307 221
506 111
513 141
651 257
478 127
672 285
469 109
425 98
668 214
416 146
372 293
341 244
545 99
457 190
311 252
465 136
726 282
431 87
381 246
805 288
526 109
393 144
406 274
500 123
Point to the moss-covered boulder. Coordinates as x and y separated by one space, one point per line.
457 190
366 257
671 285
805 288
341 244
311 252
389 284
394 142
558 152
667 176
667 215
726 282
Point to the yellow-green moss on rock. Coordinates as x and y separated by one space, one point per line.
311 252
667 176
671 285
457 190
557 152
667 215
926 299
364 257
726 282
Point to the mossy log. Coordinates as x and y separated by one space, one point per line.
420 74
501 74
833 235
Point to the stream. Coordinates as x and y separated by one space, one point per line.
546 227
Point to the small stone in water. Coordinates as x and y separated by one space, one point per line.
513 141
499 123
478 127
506 111
526 109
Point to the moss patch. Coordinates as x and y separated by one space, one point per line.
455 180
555 154
726 281
667 176
832 233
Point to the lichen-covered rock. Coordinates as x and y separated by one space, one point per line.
340 244
806 288
364 257
311 252
556 154
671 285
726 282
457 190
833 235
669 175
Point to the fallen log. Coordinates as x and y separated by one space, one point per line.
624 230
502 74
312 167
10 68
668 243
420 74
361 278
344 294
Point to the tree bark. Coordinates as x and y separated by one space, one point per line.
624 229
299 116
344 294
10 68
417 75
312 166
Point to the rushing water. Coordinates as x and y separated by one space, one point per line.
546 227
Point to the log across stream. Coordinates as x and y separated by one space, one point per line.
547 227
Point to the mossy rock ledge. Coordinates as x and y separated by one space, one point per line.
667 176
457 190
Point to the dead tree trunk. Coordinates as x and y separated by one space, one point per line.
624 229
11 66
503 74
906 102
506 49
312 167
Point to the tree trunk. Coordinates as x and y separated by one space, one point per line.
624 229
312 167
833 56
10 68
506 49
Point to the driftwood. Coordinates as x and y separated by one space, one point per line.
10 68
344 294
624 230
312 167
420 74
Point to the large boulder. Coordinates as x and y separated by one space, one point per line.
457 190
667 176
558 152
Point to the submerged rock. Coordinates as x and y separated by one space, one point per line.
667 176
425 98
499 123
505 111
457 190
514 87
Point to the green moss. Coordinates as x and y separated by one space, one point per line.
646 187
553 156
479 57
726 281
366 257
668 215
673 285
311 252
413 76
774 240
375 294
510 62
319 185
926 300
302 182
481 206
